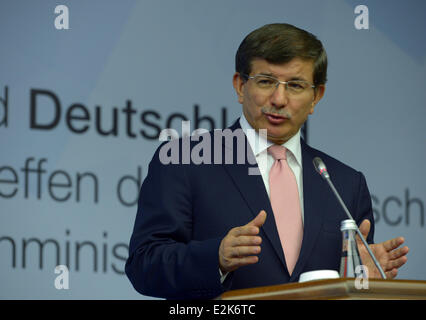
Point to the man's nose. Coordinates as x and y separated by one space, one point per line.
279 97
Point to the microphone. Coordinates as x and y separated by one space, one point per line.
322 170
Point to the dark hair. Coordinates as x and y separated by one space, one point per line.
280 43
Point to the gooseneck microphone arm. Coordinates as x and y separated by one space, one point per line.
322 170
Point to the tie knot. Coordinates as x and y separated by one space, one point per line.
278 152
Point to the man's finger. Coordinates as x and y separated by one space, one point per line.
235 263
246 241
247 230
393 243
391 274
395 264
241 242
241 262
259 220
395 254
251 228
239 252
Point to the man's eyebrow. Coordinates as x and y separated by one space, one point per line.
267 74
297 78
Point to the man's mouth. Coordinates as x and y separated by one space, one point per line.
275 118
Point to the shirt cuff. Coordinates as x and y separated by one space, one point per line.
222 276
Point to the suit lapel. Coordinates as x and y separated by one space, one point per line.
252 189
312 185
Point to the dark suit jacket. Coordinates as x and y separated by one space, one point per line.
185 210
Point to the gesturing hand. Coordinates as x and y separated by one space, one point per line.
241 245
388 254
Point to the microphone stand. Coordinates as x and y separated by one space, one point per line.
322 170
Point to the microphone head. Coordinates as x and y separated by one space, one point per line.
320 167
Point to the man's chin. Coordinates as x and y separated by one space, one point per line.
278 138
275 133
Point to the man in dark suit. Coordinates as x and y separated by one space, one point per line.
209 221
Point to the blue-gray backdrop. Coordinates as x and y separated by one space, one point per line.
81 110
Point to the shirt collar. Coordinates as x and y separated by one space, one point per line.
293 144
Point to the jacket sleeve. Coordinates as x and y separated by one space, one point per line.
164 261
363 205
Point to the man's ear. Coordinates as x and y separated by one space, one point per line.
319 93
238 83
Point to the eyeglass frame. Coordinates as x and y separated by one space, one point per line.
285 83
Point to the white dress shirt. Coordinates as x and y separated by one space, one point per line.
294 157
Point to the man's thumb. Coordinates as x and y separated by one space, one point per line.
259 220
365 228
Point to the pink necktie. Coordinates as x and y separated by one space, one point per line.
285 205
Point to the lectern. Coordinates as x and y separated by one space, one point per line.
331 289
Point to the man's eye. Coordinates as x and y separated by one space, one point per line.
265 82
296 85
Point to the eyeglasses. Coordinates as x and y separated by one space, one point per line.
269 84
